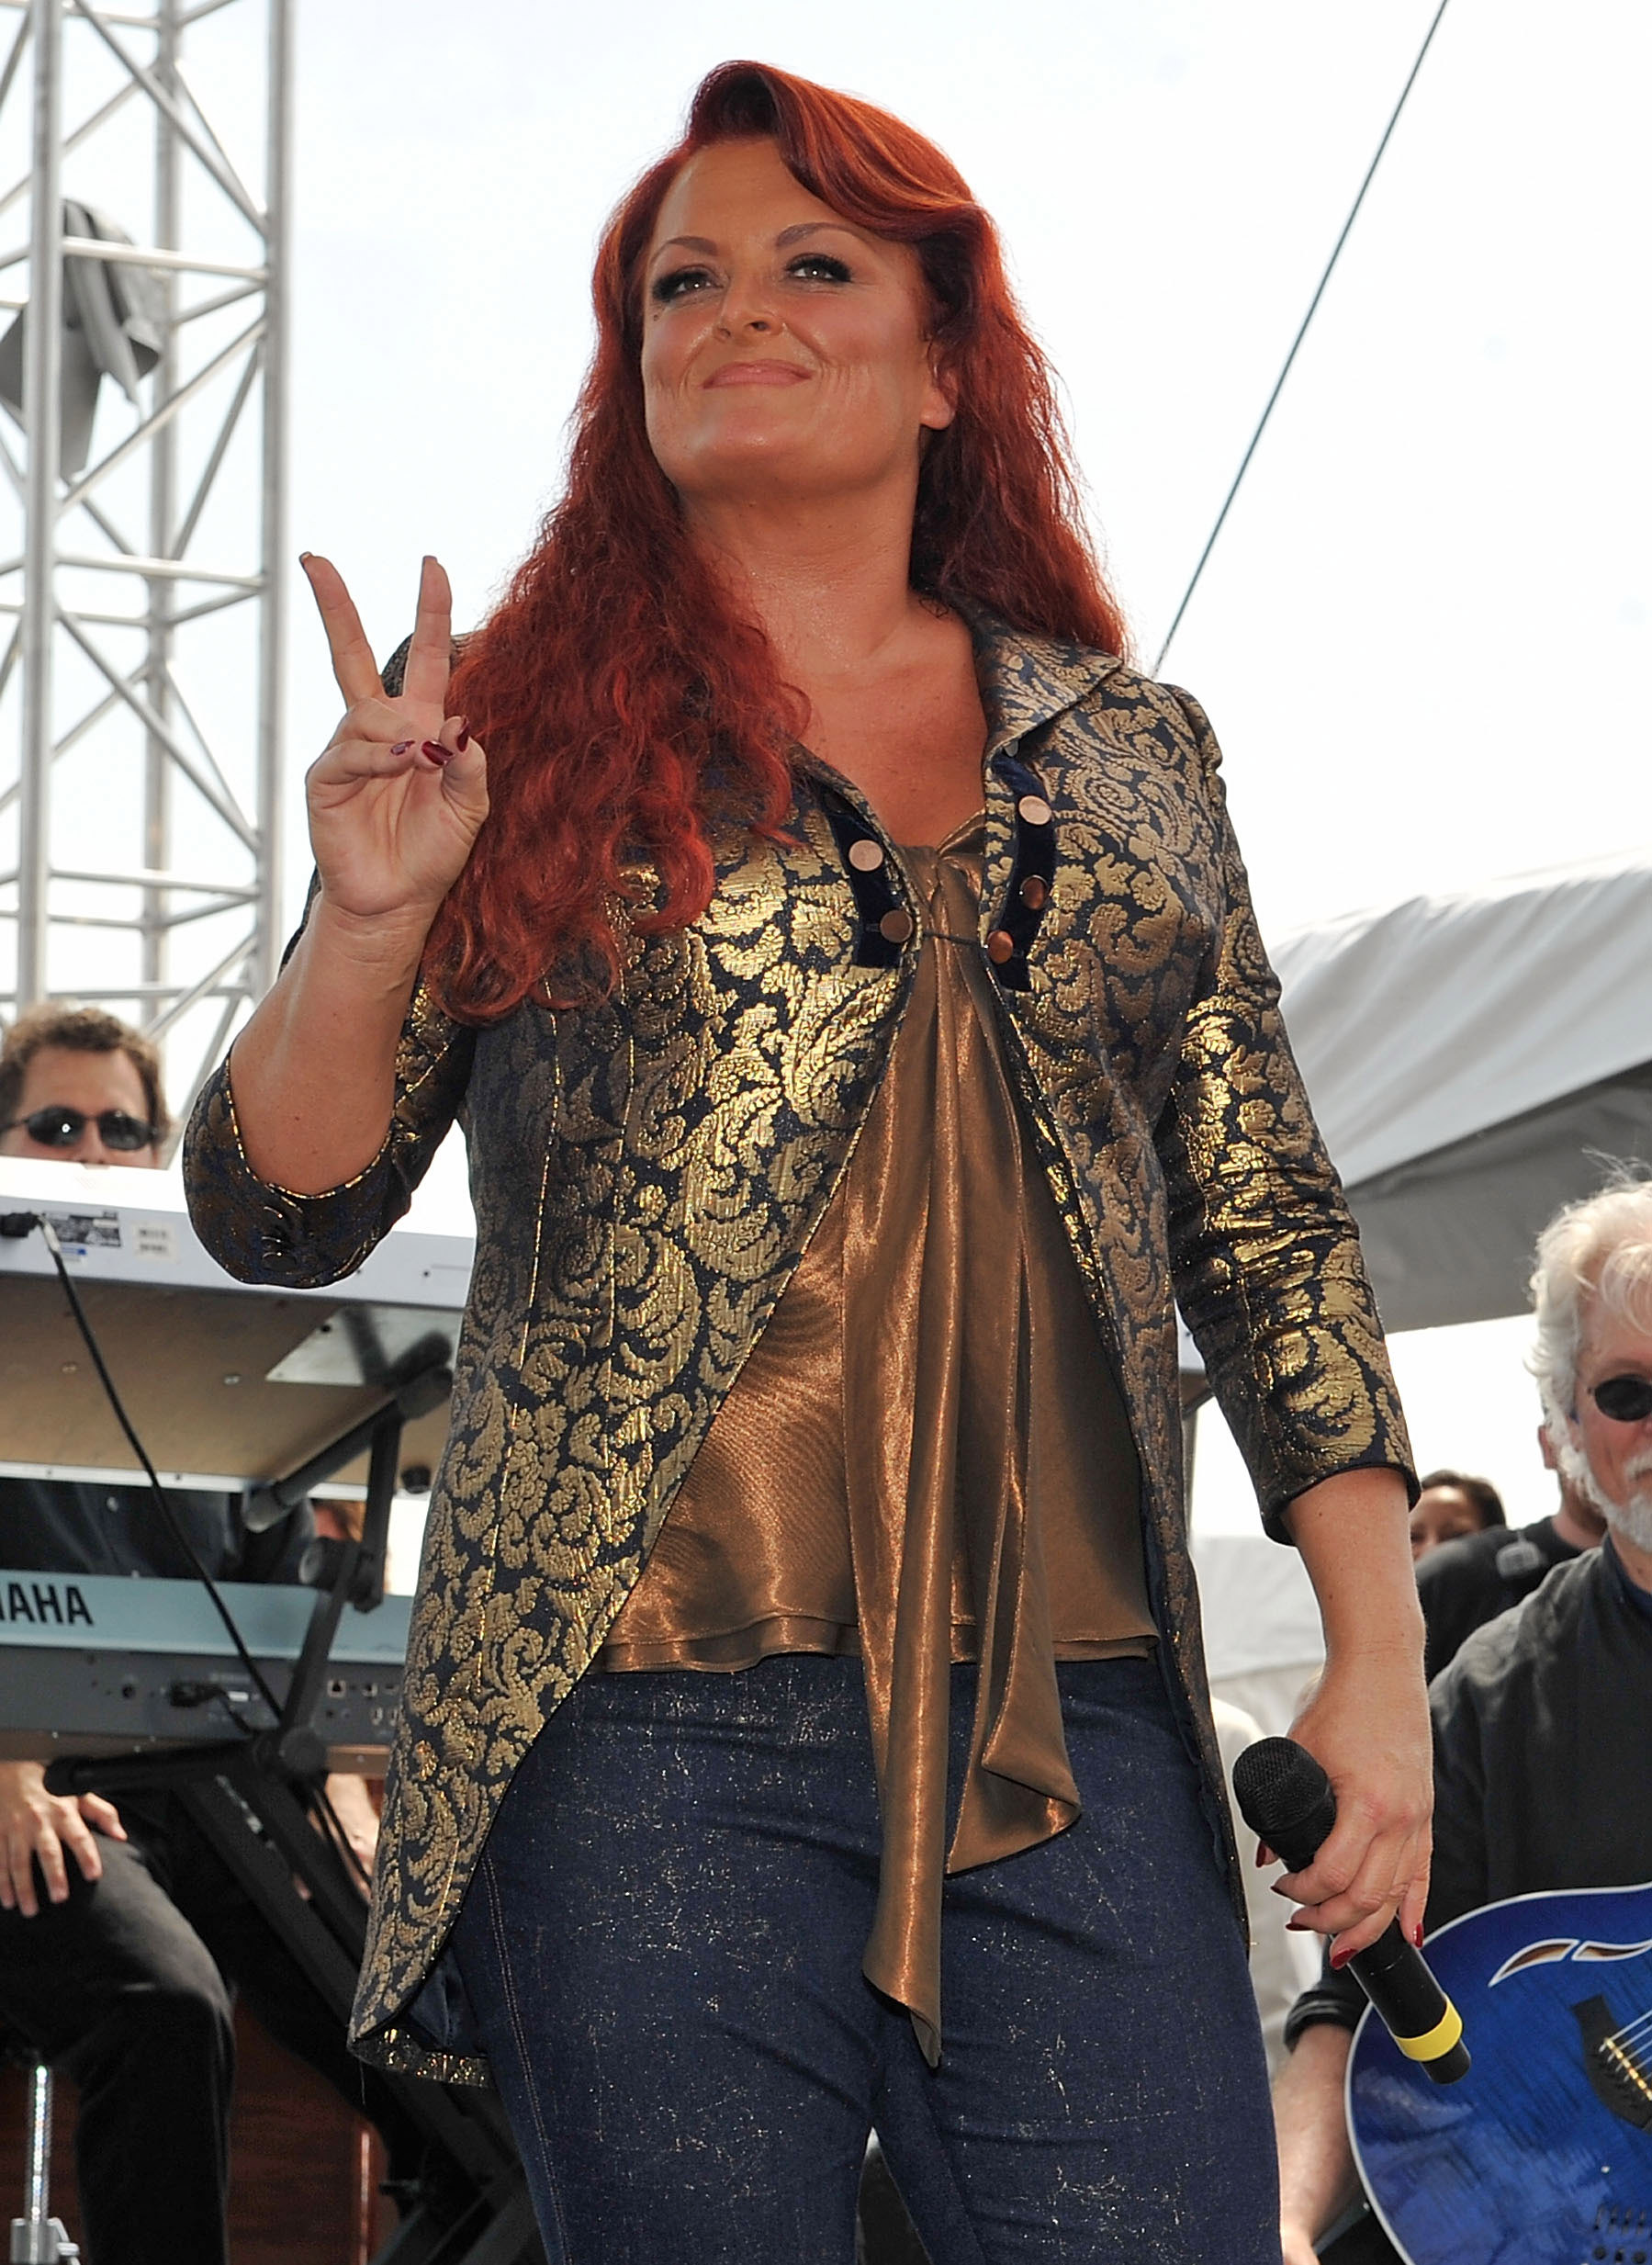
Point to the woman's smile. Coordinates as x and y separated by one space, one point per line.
758 374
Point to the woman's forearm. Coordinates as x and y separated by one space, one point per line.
1353 1534
314 1072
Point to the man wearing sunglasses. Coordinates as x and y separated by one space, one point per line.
77 1086
1542 1762
117 1927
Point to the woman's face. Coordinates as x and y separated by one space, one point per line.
784 349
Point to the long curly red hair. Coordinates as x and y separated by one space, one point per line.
625 710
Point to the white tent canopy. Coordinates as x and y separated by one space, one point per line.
1426 1021
1471 1060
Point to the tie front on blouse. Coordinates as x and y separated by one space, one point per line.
926 1458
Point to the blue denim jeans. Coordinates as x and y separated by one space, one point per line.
662 1947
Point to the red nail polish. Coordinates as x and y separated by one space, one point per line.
1339 1959
436 751
463 738
1264 1854
401 747
1417 1935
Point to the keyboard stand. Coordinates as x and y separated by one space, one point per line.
244 1795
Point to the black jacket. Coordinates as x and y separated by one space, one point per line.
1467 1583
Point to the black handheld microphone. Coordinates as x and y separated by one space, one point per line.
1286 1799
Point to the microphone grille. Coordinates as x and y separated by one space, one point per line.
1278 1783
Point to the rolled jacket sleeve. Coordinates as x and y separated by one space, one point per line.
1264 1253
262 1233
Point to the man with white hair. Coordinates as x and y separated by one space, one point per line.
1542 1762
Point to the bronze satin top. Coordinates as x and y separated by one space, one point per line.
924 1458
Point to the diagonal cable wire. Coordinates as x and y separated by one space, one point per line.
173 1523
333 1830
1313 306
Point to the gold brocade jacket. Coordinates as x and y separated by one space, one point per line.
646 1173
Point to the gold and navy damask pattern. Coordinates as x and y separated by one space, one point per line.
647 1173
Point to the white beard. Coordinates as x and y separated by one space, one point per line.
1632 1518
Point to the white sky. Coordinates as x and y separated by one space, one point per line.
1423 636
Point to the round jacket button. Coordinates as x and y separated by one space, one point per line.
895 925
1035 889
1000 946
866 856
1034 809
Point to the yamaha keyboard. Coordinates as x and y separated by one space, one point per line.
92 1664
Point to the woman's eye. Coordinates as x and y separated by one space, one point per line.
679 283
686 282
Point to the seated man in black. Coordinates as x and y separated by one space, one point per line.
117 1929
1543 1767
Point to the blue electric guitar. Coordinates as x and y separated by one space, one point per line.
1543 2154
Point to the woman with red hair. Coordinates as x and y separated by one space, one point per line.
842 967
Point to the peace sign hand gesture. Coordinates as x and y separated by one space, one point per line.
397 797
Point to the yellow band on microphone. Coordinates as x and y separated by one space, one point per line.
1435 2041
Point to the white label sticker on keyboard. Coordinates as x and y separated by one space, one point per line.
88 1230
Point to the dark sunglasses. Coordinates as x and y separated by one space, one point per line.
1626 1399
59 1126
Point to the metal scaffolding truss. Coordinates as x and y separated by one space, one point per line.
141 600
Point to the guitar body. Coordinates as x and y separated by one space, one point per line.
1543 2154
